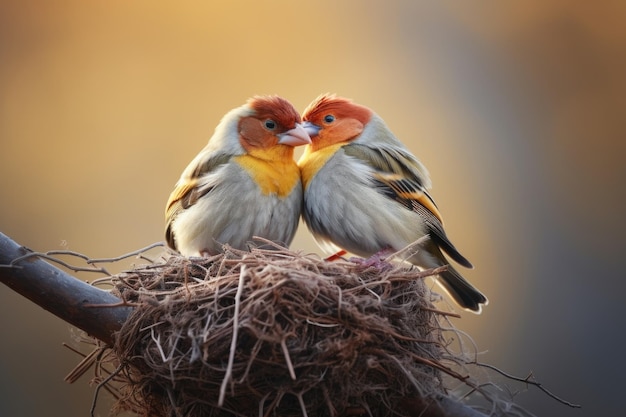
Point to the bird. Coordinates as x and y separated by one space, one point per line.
243 183
366 193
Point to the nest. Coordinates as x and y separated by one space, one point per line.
277 333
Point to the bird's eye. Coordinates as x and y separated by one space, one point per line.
329 118
270 124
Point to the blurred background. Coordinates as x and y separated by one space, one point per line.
517 108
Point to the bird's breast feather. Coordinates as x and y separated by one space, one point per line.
272 177
312 162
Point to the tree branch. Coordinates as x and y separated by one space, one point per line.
91 309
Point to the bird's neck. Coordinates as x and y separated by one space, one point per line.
312 161
274 170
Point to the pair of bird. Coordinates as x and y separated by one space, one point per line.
357 187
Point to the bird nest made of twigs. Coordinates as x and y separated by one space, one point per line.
277 333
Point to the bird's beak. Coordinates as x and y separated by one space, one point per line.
311 129
295 137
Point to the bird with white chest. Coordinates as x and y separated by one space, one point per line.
365 192
243 183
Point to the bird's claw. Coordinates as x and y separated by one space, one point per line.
377 260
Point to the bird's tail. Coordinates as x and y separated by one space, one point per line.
462 291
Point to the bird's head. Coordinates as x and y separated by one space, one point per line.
271 122
330 120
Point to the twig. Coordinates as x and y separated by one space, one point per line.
126 255
441 312
292 372
302 405
86 363
52 253
410 249
530 381
103 384
50 257
233 343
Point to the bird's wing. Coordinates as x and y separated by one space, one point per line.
189 190
402 178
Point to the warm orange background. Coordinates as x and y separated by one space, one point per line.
517 108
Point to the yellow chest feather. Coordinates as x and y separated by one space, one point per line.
312 161
275 177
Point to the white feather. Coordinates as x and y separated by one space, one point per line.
233 212
342 203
